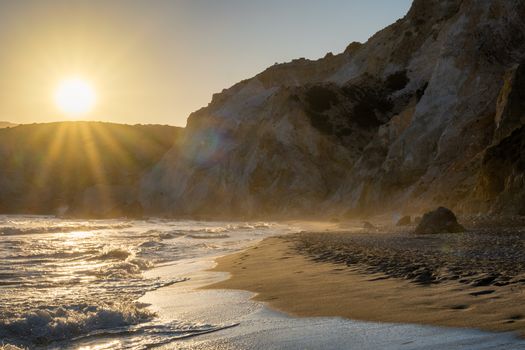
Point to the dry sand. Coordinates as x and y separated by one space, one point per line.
290 279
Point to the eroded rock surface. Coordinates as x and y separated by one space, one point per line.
414 118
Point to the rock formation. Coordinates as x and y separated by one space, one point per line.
426 112
441 220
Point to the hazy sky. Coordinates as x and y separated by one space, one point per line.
156 61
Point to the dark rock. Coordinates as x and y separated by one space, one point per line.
417 219
404 221
482 292
485 281
441 220
424 277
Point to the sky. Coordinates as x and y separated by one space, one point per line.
156 61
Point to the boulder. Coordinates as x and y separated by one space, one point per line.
404 221
441 220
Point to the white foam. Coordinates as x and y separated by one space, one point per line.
261 328
25 230
45 326
64 279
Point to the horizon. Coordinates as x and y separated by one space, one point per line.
95 40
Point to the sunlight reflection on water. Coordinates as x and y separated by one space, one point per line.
72 279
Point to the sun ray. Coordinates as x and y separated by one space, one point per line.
96 165
111 145
93 154
52 154
68 173
46 164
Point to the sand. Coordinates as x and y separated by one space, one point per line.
291 276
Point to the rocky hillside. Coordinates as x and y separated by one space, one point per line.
78 168
428 111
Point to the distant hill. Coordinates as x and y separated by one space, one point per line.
7 125
78 168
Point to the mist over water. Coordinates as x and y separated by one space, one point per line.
70 283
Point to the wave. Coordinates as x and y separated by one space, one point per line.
10 347
162 235
44 256
253 226
207 236
223 229
114 254
60 287
90 325
208 232
152 244
54 323
41 327
150 335
203 230
13 230
123 269
171 234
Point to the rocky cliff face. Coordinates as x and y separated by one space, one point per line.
426 112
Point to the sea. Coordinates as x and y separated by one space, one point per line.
136 284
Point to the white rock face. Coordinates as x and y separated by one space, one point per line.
401 122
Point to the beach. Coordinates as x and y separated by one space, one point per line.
276 309
155 283
439 280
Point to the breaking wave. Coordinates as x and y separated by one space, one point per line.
207 236
65 320
88 323
230 228
79 288
17 230
41 327
114 254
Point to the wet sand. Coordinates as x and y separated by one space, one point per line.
473 280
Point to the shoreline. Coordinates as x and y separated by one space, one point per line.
290 280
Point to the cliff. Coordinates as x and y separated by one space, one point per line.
426 112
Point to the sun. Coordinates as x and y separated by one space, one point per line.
75 97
